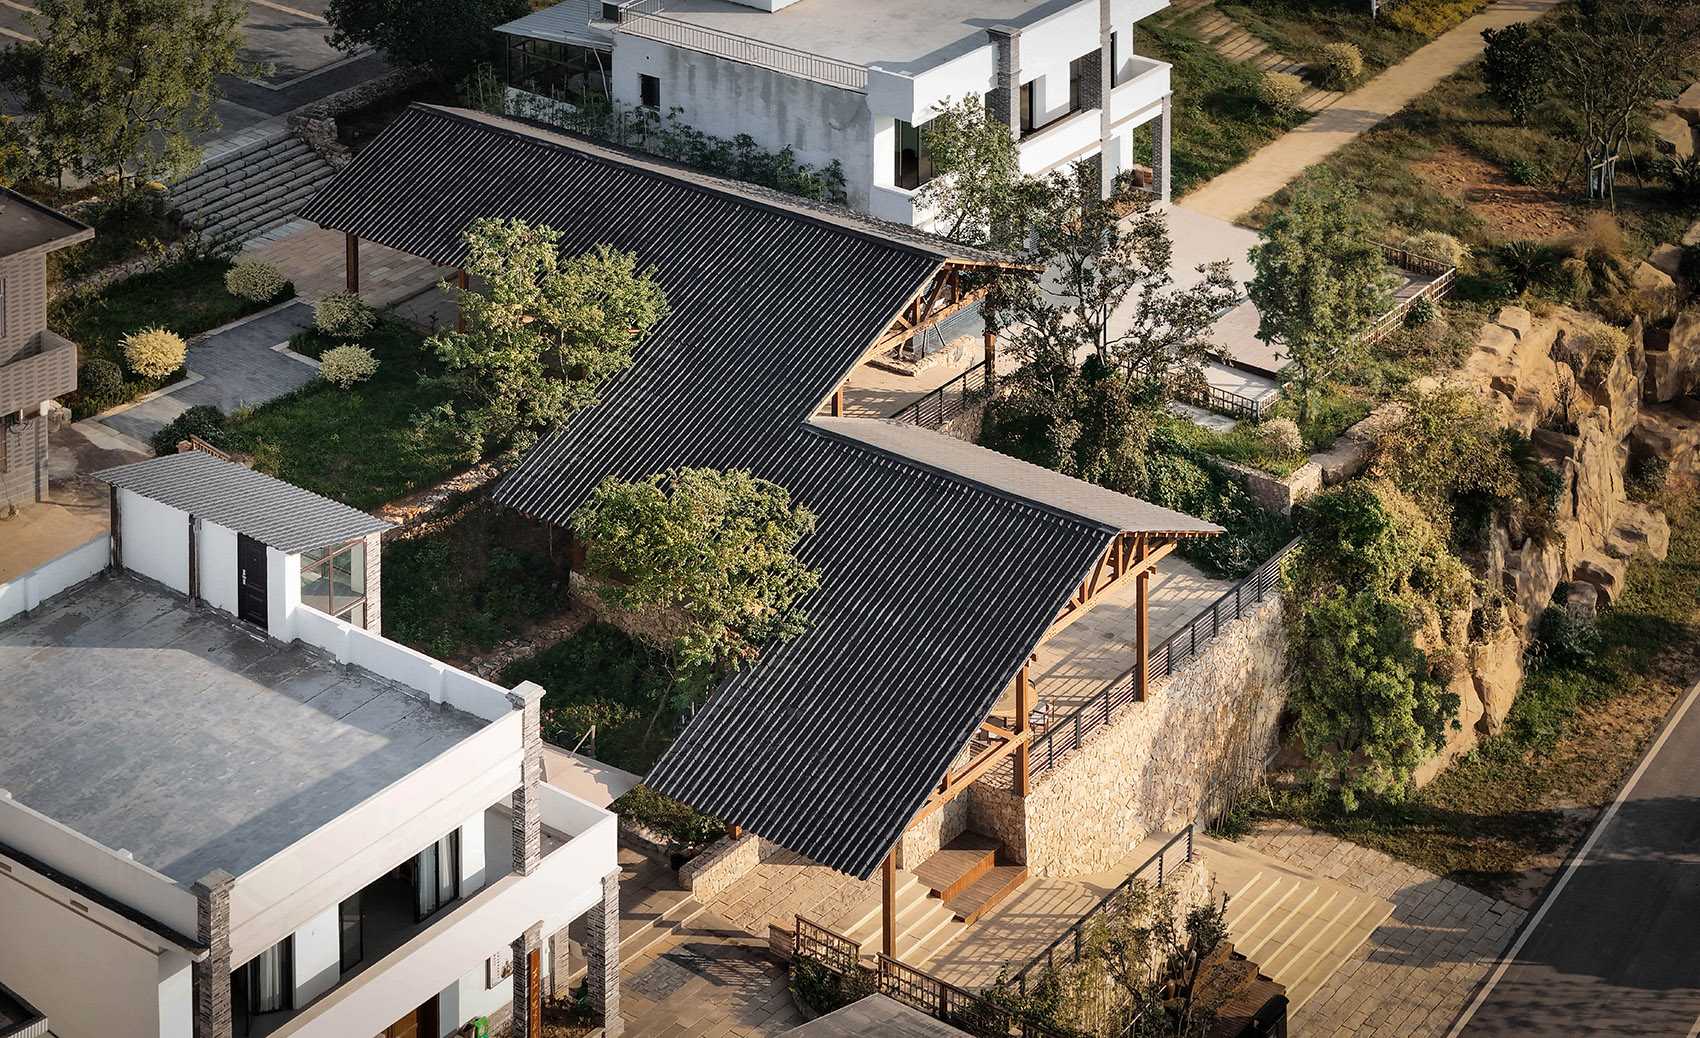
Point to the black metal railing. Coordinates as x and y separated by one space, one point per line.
947 401
1219 400
1067 948
1069 732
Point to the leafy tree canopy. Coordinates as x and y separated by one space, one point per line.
1321 282
541 332
450 37
124 87
720 547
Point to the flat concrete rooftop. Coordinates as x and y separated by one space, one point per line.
186 737
897 35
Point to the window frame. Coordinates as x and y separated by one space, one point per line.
924 171
327 563
452 841
1077 84
649 85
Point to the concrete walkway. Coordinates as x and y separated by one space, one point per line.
238 366
1234 193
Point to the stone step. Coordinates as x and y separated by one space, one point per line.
254 189
1304 977
238 168
866 919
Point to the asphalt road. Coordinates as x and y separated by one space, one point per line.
1615 949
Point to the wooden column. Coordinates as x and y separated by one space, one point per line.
351 261
837 407
991 357
464 283
194 564
117 533
888 904
1023 715
1142 625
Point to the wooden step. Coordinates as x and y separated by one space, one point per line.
958 864
986 892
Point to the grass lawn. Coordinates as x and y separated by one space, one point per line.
1218 119
361 446
1574 733
1299 29
1244 443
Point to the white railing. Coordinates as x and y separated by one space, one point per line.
437 680
25 592
644 19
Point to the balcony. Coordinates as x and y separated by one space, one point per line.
49 371
1060 141
1140 84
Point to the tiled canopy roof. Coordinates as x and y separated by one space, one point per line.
934 587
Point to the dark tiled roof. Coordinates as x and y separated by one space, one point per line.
276 513
26 225
934 587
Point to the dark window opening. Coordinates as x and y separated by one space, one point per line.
435 874
913 160
333 580
264 984
610 12
1077 83
1115 59
1027 122
350 924
557 70
649 92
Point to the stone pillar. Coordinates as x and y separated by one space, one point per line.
1006 91
375 583
528 1010
1100 80
1160 131
528 813
212 975
602 956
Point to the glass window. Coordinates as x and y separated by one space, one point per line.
558 70
267 980
1115 59
1076 84
353 933
333 580
1026 108
436 872
913 162
649 91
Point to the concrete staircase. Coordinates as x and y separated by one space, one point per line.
653 907
939 900
1298 928
252 190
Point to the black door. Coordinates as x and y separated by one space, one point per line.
251 580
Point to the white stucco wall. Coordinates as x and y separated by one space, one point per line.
154 540
283 593
318 956
218 566
819 123
473 869
90 980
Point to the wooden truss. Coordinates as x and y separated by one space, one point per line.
943 297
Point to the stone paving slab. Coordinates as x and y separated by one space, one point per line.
1420 968
710 980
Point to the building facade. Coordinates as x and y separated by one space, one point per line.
36 364
277 826
856 83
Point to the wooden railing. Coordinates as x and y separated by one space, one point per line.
1444 275
1067 948
946 402
1069 732
914 987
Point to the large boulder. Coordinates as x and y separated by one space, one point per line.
1639 529
1496 671
1687 104
1651 279
1667 258
1604 572
1515 318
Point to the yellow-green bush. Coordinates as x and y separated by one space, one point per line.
1280 91
1431 17
1438 245
154 352
1342 64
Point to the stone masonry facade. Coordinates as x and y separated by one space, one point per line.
1202 732
212 975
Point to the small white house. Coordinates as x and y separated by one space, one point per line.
855 81
229 807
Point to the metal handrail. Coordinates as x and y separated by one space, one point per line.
1074 936
1069 732
940 406
645 19
1221 401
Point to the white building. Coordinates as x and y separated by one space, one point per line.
283 825
853 81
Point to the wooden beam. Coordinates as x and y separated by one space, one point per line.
1143 561
1023 720
888 904
901 328
961 780
837 407
1141 620
351 261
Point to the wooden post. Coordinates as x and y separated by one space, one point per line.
117 533
351 261
991 357
888 904
194 565
464 283
837 408
1142 625
735 831
1023 716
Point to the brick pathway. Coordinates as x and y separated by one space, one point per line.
1422 966
710 980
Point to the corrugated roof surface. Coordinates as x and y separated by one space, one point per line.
1014 476
279 514
934 587
565 22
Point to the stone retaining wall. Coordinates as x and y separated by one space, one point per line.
727 860
1203 731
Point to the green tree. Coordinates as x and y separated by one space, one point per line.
720 547
978 193
1321 283
123 88
1515 69
542 333
450 37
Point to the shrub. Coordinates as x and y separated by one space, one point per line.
1564 638
678 820
1438 245
1282 435
99 379
1595 351
1683 176
1423 311
256 280
1647 478
203 420
1342 64
1280 92
1431 17
1526 172
154 352
1531 265
346 365
344 315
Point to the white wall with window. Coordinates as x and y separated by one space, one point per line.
333 581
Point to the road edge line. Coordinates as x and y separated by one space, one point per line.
1605 818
